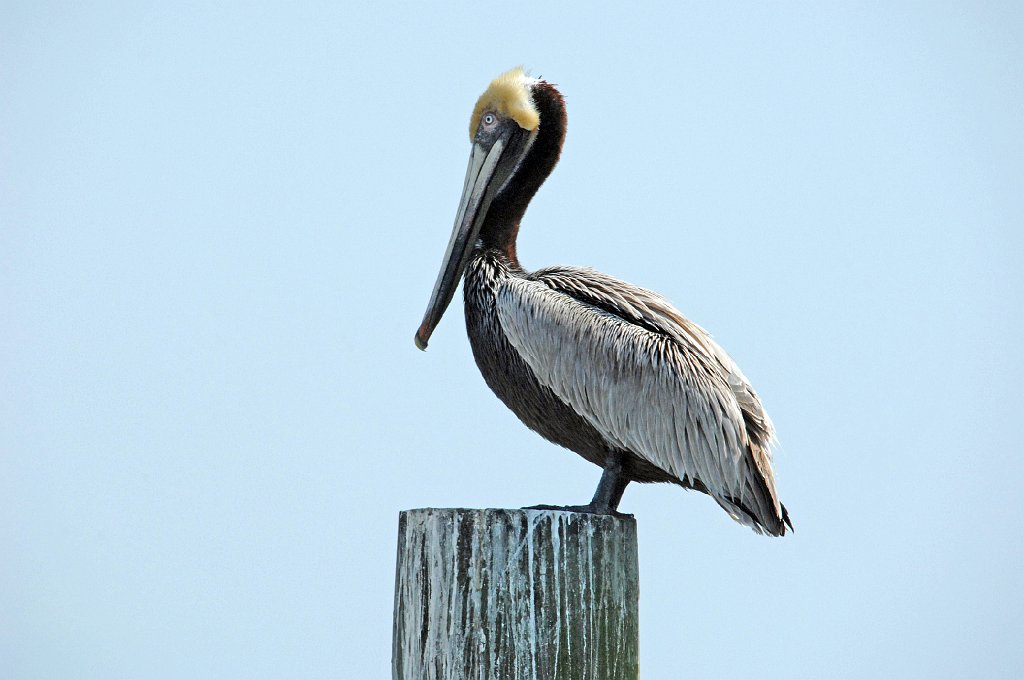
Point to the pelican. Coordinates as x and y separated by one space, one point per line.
602 367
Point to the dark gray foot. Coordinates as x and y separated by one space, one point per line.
609 492
590 508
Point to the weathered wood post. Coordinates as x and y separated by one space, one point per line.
515 595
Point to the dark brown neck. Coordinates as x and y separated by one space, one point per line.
501 227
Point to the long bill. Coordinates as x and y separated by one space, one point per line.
482 182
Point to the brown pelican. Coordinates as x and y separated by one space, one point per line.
604 368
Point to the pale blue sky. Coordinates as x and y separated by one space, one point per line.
219 228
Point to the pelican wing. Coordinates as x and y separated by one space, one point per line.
649 381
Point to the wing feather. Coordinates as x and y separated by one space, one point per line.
648 380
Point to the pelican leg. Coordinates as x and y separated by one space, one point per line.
609 491
611 487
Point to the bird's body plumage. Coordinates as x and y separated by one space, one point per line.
604 368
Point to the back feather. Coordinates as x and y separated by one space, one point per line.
650 381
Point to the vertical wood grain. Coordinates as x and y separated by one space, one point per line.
515 595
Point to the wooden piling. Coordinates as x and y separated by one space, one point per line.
515 595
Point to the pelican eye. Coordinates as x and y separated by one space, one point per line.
489 120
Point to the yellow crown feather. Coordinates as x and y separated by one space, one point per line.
509 95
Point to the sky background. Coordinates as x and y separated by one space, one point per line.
219 228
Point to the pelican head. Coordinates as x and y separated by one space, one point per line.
504 126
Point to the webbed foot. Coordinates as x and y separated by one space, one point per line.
590 509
